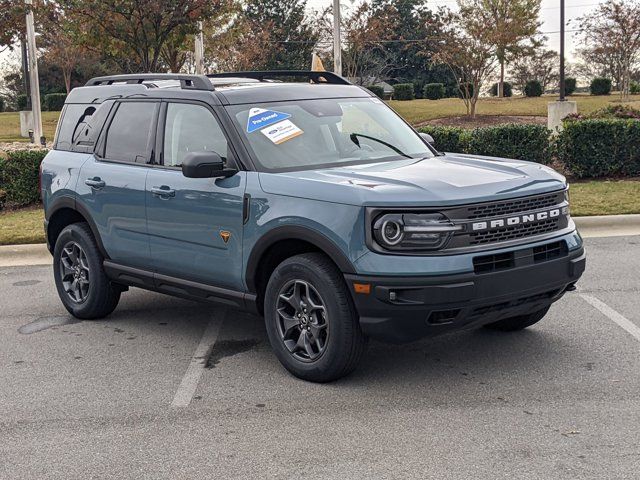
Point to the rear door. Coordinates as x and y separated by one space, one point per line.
195 224
112 183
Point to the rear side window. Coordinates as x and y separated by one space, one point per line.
71 116
128 137
80 126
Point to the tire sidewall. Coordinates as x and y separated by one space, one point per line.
94 259
334 351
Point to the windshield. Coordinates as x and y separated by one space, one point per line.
305 134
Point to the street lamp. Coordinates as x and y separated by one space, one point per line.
562 88
33 71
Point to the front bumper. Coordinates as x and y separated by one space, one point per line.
403 309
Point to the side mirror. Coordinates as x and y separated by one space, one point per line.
204 165
427 138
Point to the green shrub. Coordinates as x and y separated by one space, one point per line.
600 86
634 88
434 91
570 85
21 102
377 90
533 88
448 139
19 177
53 102
1 104
522 142
403 91
600 147
508 90
418 88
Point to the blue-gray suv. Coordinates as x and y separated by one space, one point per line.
308 202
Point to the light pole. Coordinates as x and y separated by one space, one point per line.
33 71
562 87
337 48
199 50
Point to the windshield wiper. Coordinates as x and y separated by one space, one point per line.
354 139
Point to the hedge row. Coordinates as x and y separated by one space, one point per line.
587 148
600 147
522 142
19 178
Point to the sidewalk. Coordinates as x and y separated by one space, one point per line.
590 227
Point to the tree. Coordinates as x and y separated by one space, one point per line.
514 25
540 65
468 48
133 33
612 32
410 41
264 35
12 23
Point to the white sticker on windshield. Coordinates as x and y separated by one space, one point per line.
281 132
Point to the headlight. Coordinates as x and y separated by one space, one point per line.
413 231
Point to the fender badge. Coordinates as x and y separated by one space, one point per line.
225 236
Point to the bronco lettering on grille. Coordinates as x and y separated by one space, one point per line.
519 219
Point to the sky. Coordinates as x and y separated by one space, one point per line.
549 14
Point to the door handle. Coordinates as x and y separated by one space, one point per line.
164 191
95 182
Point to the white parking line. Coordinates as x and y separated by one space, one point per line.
190 380
626 324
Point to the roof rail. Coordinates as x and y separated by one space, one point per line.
187 82
316 77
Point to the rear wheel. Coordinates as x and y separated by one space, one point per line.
518 323
82 285
310 319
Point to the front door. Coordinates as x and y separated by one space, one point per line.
194 224
112 183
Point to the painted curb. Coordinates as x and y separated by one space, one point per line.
590 227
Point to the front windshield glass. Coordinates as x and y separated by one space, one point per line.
306 134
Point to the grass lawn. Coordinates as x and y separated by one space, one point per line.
10 126
600 197
22 226
417 111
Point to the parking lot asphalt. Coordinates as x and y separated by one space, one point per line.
169 389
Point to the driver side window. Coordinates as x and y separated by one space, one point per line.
191 128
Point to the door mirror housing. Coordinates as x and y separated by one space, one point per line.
205 165
427 138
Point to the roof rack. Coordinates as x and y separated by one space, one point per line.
316 77
187 82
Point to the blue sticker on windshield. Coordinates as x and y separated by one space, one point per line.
260 118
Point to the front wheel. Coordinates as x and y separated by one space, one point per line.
518 323
311 321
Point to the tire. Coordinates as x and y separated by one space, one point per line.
93 295
305 347
518 323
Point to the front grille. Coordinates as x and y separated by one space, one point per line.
486 224
513 232
489 210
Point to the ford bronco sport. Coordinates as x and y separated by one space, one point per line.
311 203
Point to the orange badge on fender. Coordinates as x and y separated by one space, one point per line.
225 236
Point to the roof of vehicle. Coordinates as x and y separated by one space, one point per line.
228 88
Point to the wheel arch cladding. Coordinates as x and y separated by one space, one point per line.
64 212
284 242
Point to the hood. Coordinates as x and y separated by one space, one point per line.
451 179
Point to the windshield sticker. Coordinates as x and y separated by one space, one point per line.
281 132
260 118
